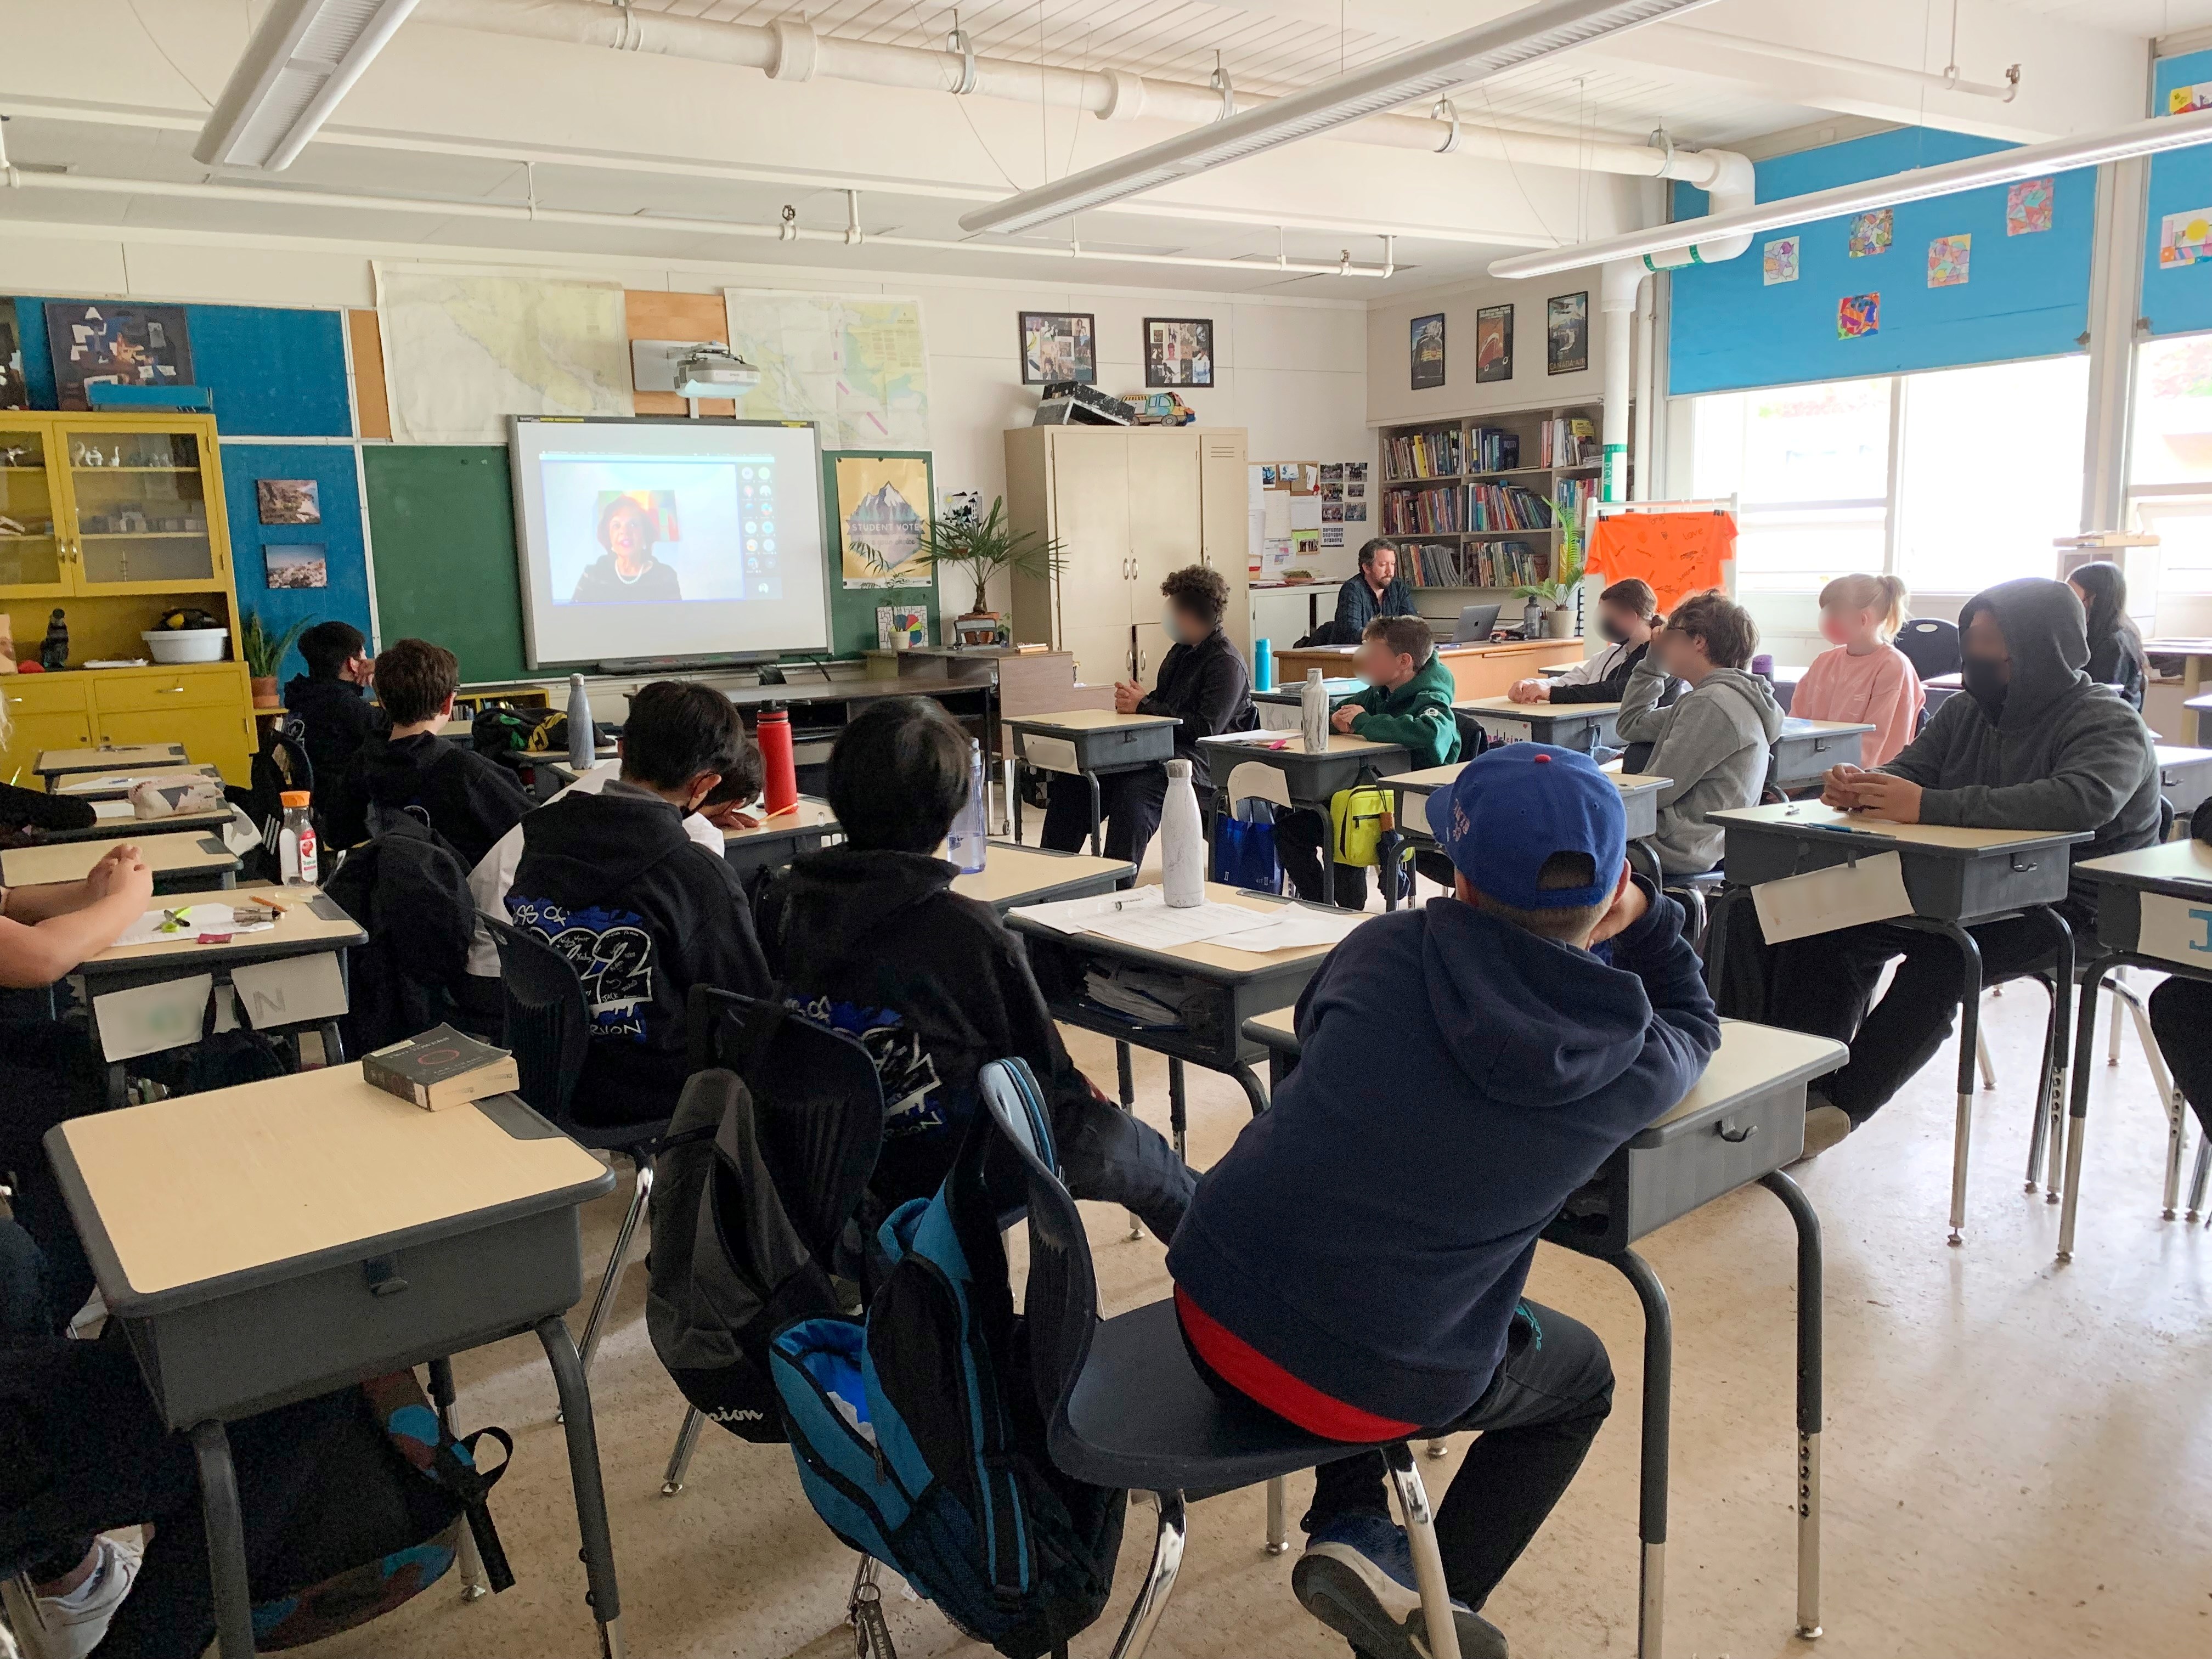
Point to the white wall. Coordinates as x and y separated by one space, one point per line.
1391 399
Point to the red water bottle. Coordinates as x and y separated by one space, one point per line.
780 771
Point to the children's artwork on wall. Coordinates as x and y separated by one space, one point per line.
2186 101
1858 316
1178 351
295 564
1948 260
2183 238
1780 258
115 345
1566 333
289 500
883 510
1493 344
1058 345
14 391
2027 206
1872 233
1425 351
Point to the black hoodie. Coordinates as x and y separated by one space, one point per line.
472 801
2064 753
876 944
339 719
1208 688
644 913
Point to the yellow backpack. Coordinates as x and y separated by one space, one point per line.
1357 817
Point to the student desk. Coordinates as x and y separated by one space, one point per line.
180 864
1221 988
1309 780
1806 749
1484 668
113 783
1743 1121
270 1243
60 762
117 821
1013 874
1279 709
1410 792
2184 777
1582 726
1089 744
549 769
1954 877
311 925
2153 910
2193 654
775 842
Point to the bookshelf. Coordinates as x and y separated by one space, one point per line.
1482 504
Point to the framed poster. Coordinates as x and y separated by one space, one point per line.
1178 351
1425 351
1059 345
105 344
14 393
1493 344
1566 333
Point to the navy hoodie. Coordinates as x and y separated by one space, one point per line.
1459 1076
471 800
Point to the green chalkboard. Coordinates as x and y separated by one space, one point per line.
441 532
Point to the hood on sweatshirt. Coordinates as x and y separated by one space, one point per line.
2048 638
1756 693
602 842
392 772
826 891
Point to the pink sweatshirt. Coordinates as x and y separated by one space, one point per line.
1879 686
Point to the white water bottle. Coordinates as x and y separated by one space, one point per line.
583 748
964 844
1183 841
1313 713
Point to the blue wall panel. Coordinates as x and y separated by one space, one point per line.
331 465
2178 300
2026 296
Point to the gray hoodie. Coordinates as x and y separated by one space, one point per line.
2065 753
1715 744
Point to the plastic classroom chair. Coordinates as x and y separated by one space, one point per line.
1931 645
1124 1408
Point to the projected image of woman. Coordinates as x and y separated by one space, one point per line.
626 573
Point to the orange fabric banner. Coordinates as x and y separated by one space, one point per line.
1678 553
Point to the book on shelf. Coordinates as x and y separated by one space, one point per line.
1569 441
1433 512
1422 455
1571 500
1506 507
1505 564
441 1069
1495 449
1432 564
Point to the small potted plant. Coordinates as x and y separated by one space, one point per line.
1550 604
265 655
978 547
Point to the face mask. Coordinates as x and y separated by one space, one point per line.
1983 678
1613 632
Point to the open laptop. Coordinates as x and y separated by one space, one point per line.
1475 623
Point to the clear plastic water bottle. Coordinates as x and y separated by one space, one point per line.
1182 842
965 845
296 851
583 749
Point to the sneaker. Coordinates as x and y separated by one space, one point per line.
1826 1126
71 1626
1357 1578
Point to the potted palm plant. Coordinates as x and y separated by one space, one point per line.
977 548
265 655
1550 604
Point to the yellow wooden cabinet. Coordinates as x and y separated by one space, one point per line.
115 520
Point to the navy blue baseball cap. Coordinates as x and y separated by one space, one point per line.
1510 809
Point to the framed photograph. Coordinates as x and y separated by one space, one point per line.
295 564
288 500
1566 333
1062 345
107 344
1425 351
14 393
1493 344
1178 351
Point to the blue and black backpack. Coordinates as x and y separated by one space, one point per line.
918 1435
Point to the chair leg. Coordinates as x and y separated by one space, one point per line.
603 1303
1278 1515
2197 1181
475 1585
1443 1630
1159 1582
2116 985
1981 1059
1439 1449
679 1457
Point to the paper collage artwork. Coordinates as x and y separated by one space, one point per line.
2027 206
1858 316
1948 260
2183 238
1872 233
1781 260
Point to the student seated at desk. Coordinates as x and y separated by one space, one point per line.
870 938
2033 744
1624 614
1409 700
1355 1263
1204 683
332 697
2116 648
2181 1020
470 800
1863 677
614 882
1716 744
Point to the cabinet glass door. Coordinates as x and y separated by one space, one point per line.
141 510
30 545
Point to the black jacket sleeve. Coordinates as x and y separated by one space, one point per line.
2118 661
1209 701
722 949
343 810
1608 690
496 799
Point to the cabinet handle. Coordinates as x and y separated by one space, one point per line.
166 690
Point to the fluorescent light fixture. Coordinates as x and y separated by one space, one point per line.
2002 166
304 58
1422 73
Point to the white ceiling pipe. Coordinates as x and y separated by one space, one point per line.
1616 286
90 183
2002 166
1737 189
791 51
1936 79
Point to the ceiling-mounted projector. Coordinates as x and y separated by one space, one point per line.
690 368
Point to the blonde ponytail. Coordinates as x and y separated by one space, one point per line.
1884 594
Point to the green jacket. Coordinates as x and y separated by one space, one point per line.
1419 714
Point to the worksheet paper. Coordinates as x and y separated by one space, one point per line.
1156 927
1075 915
198 918
1296 928
1824 901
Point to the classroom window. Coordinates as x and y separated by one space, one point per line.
2170 458
1810 466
